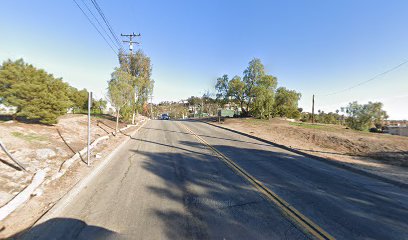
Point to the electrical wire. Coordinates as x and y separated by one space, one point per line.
90 21
98 8
369 80
100 25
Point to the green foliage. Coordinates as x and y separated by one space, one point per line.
120 90
139 66
264 93
79 99
286 103
126 112
99 105
364 116
252 75
30 137
236 90
258 91
36 94
193 101
322 117
222 88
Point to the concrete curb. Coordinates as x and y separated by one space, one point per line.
23 196
68 163
321 159
39 177
73 192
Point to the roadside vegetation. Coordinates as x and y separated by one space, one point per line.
257 93
39 96
131 86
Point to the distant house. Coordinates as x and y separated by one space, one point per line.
7 110
397 123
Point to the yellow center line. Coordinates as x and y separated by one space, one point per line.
307 225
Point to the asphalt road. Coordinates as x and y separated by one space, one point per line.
165 184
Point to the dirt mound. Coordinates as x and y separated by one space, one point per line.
40 146
331 139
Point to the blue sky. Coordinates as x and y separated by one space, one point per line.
314 47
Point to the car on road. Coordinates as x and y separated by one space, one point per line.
165 116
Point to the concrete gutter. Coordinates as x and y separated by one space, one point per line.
68 163
60 205
39 177
23 196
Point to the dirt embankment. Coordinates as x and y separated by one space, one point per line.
376 152
43 147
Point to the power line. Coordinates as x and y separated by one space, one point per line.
100 25
98 8
369 80
95 27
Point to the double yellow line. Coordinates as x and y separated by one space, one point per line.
307 225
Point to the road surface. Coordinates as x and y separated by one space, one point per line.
166 184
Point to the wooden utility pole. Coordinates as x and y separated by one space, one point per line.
130 36
313 109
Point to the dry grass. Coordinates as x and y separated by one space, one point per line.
327 138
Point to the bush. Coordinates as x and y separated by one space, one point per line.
376 130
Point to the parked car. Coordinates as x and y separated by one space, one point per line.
165 116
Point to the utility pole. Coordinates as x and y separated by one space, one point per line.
130 36
313 109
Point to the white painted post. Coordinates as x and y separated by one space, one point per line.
89 128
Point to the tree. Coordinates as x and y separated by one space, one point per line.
286 103
252 75
222 88
194 102
37 95
236 89
79 99
362 117
264 92
120 91
99 105
139 66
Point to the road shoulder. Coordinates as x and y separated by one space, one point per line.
389 174
62 188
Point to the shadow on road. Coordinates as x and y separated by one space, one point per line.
187 133
66 228
345 204
208 200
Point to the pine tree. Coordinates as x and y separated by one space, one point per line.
38 96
